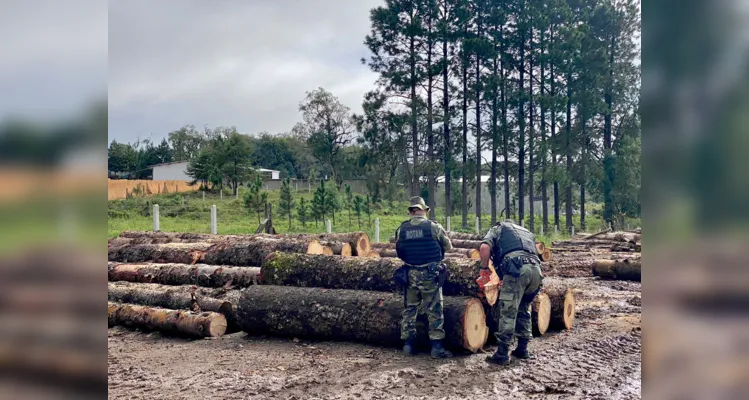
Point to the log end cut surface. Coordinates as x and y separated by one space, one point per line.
473 254
569 310
546 255
474 324
541 313
327 251
315 247
346 250
373 254
363 246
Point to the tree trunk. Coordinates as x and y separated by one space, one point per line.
562 304
446 132
176 322
464 236
553 123
477 205
352 315
505 140
414 127
544 147
495 146
464 184
608 162
531 134
174 297
521 130
184 274
568 154
359 273
628 269
431 178
241 253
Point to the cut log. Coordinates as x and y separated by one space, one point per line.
473 254
327 251
466 244
390 253
338 248
352 315
562 304
176 322
628 269
239 253
359 241
546 255
464 236
173 297
373 254
359 273
540 247
185 274
541 313
603 232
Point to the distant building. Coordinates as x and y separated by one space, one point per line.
177 171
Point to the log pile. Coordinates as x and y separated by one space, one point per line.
324 286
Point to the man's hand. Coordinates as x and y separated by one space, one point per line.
485 252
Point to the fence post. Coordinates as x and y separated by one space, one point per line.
522 223
377 230
222 194
237 194
542 230
214 223
328 227
573 230
556 229
478 225
448 223
204 197
156 226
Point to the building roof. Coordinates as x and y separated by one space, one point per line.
484 179
185 162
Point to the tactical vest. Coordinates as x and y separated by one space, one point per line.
511 238
416 246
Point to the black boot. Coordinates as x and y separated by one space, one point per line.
409 347
438 351
500 356
522 350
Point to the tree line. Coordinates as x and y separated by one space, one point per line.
541 96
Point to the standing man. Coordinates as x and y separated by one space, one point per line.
512 249
421 244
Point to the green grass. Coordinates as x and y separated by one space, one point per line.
189 213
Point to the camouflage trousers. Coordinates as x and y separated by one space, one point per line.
423 295
514 304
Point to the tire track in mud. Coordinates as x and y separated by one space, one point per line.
594 368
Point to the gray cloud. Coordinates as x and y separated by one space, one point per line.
54 56
241 63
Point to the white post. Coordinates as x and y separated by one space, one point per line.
478 225
522 223
377 230
156 227
542 230
204 196
237 194
573 230
214 223
222 194
556 228
627 225
448 224
328 227
610 228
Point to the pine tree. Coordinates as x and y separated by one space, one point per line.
368 209
348 200
286 203
254 198
301 211
358 208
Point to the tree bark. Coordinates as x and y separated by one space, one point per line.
464 236
628 269
184 274
464 184
521 126
562 304
176 322
531 133
568 155
446 125
173 297
352 315
477 205
359 273
240 253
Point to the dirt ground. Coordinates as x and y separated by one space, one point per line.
598 359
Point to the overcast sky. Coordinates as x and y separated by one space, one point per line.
233 63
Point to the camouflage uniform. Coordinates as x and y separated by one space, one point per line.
516 294
423 292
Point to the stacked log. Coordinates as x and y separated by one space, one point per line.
173 297
356 273
626 269
359 241
177 322
184 274
352 315
245 253
464 236
562 302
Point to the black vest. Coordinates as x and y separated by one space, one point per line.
416 246
512 238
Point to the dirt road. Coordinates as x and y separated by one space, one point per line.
598 359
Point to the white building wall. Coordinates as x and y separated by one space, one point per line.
171 172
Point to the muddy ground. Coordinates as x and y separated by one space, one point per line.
598 359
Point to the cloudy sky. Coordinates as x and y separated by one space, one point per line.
233 62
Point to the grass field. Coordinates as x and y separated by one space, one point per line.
188 212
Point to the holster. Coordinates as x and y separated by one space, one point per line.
400 276
440 270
